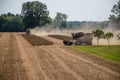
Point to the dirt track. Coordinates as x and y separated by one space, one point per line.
19 60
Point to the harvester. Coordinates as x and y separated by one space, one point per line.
79 38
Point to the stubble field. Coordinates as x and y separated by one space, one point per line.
20 60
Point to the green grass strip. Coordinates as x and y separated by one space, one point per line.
112 53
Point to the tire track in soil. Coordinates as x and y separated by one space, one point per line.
80 66
105 65
10 61
115 75
54 68
41 66
32 67
113 66
56 63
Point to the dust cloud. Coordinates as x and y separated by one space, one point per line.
50 30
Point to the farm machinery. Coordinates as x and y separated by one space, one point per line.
27 32
79 38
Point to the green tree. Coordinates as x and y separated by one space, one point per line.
11 23
115 17
35 14
60 20
98 34
108 36
2 21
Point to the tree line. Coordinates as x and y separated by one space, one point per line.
35 13
87 24
11 23
115 17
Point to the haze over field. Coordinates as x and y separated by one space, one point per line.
48 30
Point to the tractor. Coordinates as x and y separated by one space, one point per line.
79 38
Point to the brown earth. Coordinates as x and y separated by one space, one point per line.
61 37
19 60
11 67
36 40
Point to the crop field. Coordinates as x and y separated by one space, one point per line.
19 60
35 40
61 37
10 59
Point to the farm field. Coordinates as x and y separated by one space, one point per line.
35 40
1 34
20 60
61 37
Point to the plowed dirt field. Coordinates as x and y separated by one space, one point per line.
19 60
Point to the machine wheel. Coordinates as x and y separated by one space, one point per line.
67 42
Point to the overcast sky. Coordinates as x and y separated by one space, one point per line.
78 10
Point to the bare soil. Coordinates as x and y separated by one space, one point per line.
19 60
11 67
35 40
61 37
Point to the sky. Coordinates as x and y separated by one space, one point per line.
77 10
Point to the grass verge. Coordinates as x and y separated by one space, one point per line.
112 53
